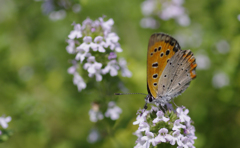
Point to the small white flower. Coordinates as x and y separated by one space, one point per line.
123 65
190 132
72 69
95 115
184 142
86 22
154 109
149 138
183 20
87 43
98 45
93 136
92 65
106 25
169 9
71 46
160 117
4 121
177 125
82 53
93 68
112 68
118 48
112 55
176 138
182 114
111 41
113 111
78 80
76 33
148 7
163 136
141 117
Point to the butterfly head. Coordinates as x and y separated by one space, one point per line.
160 100
149 99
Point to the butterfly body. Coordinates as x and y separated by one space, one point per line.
169 69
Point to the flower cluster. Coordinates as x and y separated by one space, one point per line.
95 46
174 127
4 121
4 133
112 112
165 10
57 9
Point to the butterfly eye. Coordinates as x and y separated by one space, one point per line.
150 99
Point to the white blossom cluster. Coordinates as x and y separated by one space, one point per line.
57 9
172 127
112 112
95 47
165 10
4 122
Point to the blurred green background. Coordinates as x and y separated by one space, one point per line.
48 111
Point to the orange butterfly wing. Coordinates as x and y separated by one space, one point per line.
161 48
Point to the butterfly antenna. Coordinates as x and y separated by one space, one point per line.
130 94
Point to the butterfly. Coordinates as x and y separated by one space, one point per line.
169 69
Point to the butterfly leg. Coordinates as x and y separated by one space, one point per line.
163 108
145 106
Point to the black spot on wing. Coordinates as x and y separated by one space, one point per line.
161 55
155 76
155 65
167 52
